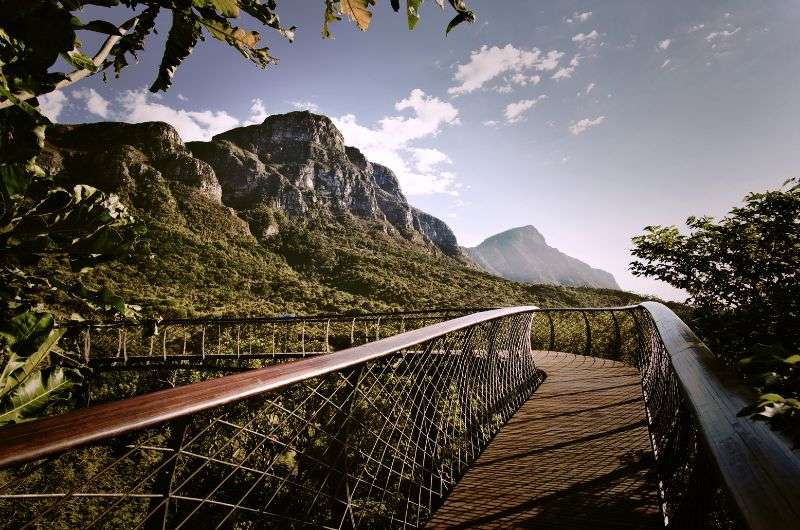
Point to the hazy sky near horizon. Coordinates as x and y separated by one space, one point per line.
586 119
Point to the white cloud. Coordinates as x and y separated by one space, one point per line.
52 104
426 158
535 79
95 103
503 89
520 79
565 72
137 106
515 112
487 64
696 27
586 39
589 88
491 123
391 143
664 44
305 105
579 17
666 63
585 124
258 113
181 97
720 35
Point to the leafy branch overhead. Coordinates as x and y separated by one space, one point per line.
29 54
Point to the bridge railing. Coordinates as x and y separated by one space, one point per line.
715 468
175 352
190 341
373 436
377 435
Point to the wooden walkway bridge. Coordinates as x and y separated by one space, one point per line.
576 455
568 418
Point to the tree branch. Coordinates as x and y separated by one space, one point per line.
77 75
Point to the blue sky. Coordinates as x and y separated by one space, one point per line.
587 119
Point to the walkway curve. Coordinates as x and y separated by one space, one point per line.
576 455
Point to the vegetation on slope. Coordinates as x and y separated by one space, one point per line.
320 264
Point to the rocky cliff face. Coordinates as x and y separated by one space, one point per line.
149 167
523 255
295 163
298 161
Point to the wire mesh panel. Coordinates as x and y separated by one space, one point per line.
119 360
690 487
375 445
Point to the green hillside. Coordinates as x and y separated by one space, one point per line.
238 231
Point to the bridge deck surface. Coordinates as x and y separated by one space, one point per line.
576 455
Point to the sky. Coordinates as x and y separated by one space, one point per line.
587 119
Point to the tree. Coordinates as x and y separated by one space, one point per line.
84 226
742 274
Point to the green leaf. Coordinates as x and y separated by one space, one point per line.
792 359
18 368
25 331
98 26
458 19
331 15
244 41
228 8
40 390
79 60
771 398
412 12
14 180
182 38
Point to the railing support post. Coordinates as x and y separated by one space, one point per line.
616 346
588 351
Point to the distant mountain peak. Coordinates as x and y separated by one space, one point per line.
527 232
522 254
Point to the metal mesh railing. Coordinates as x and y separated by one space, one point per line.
371 437
691 489
207 340
375 444
122 359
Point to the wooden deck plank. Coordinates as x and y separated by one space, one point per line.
576 455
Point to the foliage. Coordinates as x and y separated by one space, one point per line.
40 221
25 389
743 275
29 54
318 264
776 375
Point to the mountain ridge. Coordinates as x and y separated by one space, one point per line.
276 217
522 254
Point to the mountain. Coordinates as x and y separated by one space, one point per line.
280 216
522 255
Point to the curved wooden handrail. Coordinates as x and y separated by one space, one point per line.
49 436
758 467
